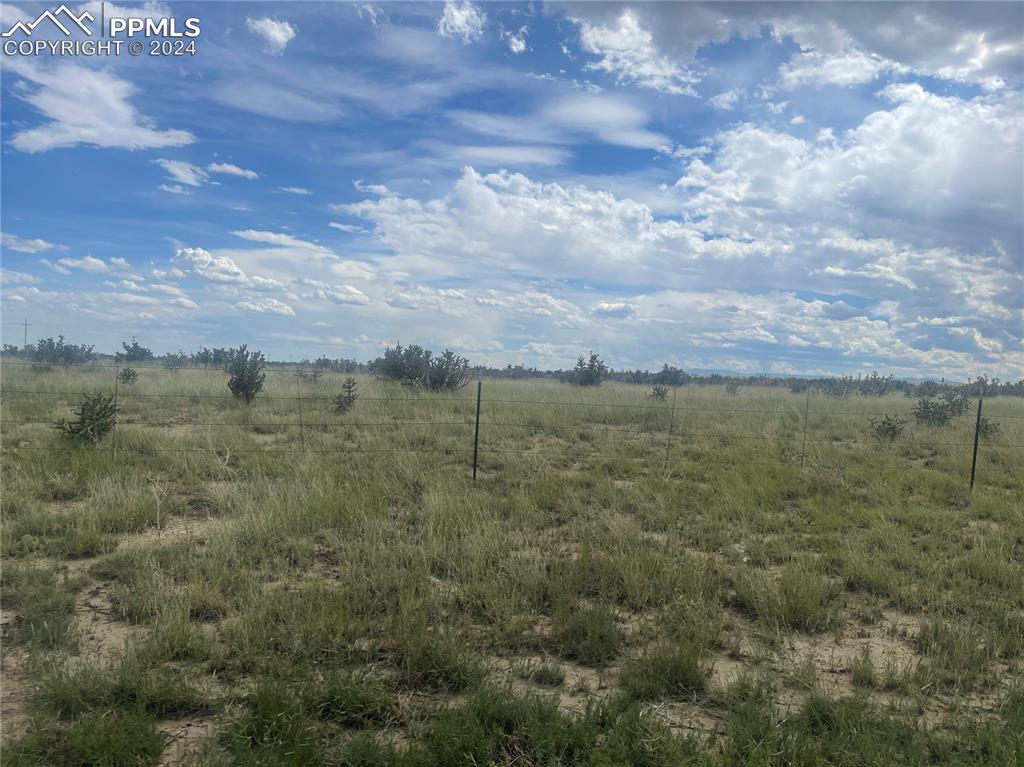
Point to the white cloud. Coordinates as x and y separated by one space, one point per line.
85 106
183 172
725 101
13 242
282 240
276 34
294 190
86 264
351 228
343 294
613 309
516 40
231 170
462 19
8 277
627 51
215 268
174 189
267 306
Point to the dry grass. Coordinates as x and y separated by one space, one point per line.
215 595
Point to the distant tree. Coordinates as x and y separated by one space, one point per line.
202 357
134 353
245 373
127 376
588 371
670 376
50 352
174 360
415 366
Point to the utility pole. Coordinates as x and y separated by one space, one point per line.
26 324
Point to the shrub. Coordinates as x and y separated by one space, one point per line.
589 636
309 375
95 417
888 429
415 366
245 373
667 669
588 372
732 388
659 392
128 376
956 402
989 429
931 412
344 402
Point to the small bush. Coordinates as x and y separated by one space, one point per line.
95 417
888 429
127 376
245 373
732 388
932 412
989 429
667 670
548 676
344 402
659 392
589 636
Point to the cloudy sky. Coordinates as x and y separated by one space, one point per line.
754 187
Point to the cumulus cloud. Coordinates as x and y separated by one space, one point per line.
13 242
86 264
462 19
85 106
267 306
628 52
343 294
215 268
276 34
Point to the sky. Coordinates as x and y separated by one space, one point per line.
822 188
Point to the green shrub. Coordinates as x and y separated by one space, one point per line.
415 366
589 371
245 373
667 670
888 429
127 376
344 402
95 417
590 636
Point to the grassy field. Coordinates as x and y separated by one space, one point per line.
216 584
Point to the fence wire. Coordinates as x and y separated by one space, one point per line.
664 426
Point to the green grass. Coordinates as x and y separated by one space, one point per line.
380 608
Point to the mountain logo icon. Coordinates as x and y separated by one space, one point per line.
62 12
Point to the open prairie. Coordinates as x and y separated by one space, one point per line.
711 578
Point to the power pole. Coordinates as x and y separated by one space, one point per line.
26 324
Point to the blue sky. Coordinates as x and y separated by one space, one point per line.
821 188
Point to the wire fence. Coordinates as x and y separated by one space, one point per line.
665 433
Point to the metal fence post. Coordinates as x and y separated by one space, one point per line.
476 428
977 432
803 445
113 429
671 426
298 397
